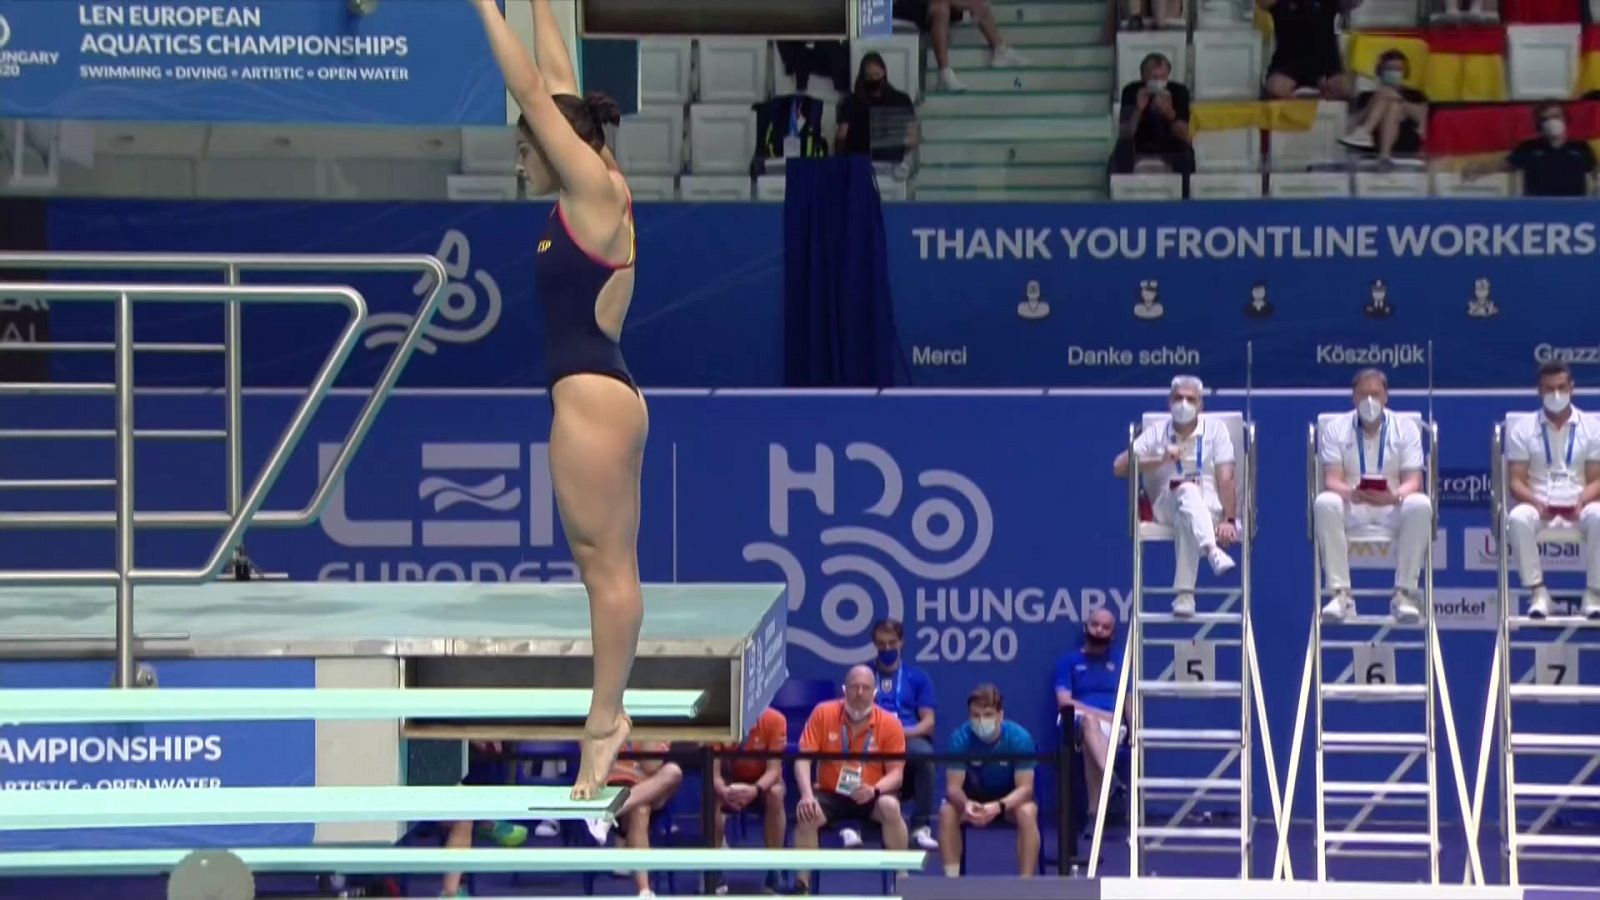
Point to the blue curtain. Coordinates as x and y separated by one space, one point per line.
838 325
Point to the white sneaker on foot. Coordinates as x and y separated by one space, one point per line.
949 82
546 829
1342 606
1404 608
1541 604
1007 58
850 837
923 837
599 829
1359 139
1221 562
1591 604
1183 606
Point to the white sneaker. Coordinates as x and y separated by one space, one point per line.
1007 58
1183 606
1404 608
850 837
949 82
599 829
923 837
1358 138
1591 604
1221 562
546 829
1541 605
1342 606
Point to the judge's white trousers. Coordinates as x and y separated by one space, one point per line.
1522 529
1407 524
1192 514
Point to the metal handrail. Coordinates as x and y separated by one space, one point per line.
243 509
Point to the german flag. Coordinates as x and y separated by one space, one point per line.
1588 61
1467 132
1466 65
1262 115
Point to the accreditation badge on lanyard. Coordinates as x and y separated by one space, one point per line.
1199 456
1561 493
850 774
1376 480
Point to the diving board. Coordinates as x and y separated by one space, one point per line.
422 861
726 640
125 808
77 706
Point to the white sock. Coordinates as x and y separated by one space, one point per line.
952 870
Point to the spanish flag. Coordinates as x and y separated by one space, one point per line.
1262 115
1589 61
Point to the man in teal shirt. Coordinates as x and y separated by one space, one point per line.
993 784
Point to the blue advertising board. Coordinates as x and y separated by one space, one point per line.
291 61
987 522
1120 294
875 18
159 757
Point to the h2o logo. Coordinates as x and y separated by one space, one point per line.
955 526
459 304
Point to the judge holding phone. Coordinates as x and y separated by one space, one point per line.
1372 475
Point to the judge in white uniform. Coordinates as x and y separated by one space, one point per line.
1372 476
1187 469
1553 474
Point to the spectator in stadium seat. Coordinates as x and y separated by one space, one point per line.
936 17
742 782
1086 689
1307 57
1393 119
1164 14
1477 11
877 119
907 692
651 784
1551 165
854 790
1155 120
985 790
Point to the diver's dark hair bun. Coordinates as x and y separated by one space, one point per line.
603 109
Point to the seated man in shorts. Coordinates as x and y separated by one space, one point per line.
936 17
651 784
986 790
1306 58
861 789
740 782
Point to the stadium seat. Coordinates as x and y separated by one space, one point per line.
1308 185
712 188
1399 183
653 187
1297 150
1543 61
1227 65
1227 151
722 139
1449 184
1225 186
665 66
1147 187
650 142
1373 15
731 70
771 188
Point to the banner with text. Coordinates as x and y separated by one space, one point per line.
290 61
988 524
1127 294
159 757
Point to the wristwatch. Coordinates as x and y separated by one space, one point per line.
1002 804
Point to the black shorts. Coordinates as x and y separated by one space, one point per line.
978 795
1307 68
839 808
912 11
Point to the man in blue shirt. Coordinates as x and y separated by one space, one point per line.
1086 685
989 786
907 692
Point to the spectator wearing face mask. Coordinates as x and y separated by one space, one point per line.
986 789
1306 55
1186 467
1392 119
855 790
1551 165
877 119
1086 689
907 692
1155 120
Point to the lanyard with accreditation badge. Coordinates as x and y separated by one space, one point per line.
1199 449
1361 445
1572 438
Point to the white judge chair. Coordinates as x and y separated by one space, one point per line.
1369 674
1536 667
1191 677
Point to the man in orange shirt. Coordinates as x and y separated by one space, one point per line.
651 783
857 789
740 781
